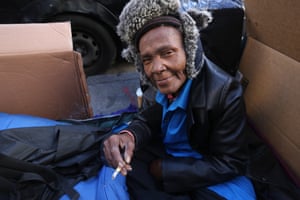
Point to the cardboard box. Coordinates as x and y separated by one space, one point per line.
40 74
271 64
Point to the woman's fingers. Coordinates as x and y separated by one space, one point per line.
118 151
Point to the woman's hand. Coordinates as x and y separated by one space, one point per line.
118 151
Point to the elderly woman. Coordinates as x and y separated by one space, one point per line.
190 143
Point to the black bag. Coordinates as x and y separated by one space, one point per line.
24 180
222 39
269 177
44 163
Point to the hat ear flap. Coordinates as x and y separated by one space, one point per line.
129 53
202 18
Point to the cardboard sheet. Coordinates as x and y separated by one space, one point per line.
40 74
46 85
276 24
273 100
35 38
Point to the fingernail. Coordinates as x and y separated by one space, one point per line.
127 159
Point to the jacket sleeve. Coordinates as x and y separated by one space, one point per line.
146 124
226 153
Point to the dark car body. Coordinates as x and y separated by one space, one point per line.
93 25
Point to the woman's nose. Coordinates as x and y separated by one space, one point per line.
158 66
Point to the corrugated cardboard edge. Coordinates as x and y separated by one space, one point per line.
83 84
272 101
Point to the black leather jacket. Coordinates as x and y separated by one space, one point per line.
216 119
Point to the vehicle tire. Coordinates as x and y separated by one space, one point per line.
93 41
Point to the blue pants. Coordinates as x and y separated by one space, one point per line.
109 189
102 187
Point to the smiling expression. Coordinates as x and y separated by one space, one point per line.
164 59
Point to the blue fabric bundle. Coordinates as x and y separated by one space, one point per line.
8 121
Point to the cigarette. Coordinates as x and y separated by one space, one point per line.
116 172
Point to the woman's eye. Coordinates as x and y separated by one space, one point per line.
167 53
146 61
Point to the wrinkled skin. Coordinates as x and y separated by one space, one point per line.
164 60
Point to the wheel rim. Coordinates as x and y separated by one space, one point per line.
87 46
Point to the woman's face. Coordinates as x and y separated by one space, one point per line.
164 59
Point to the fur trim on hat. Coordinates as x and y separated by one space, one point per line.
137 12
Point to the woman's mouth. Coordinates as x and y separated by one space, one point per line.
162 82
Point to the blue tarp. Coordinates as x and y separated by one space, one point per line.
8 121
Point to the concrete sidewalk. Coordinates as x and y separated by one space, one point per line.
114 91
